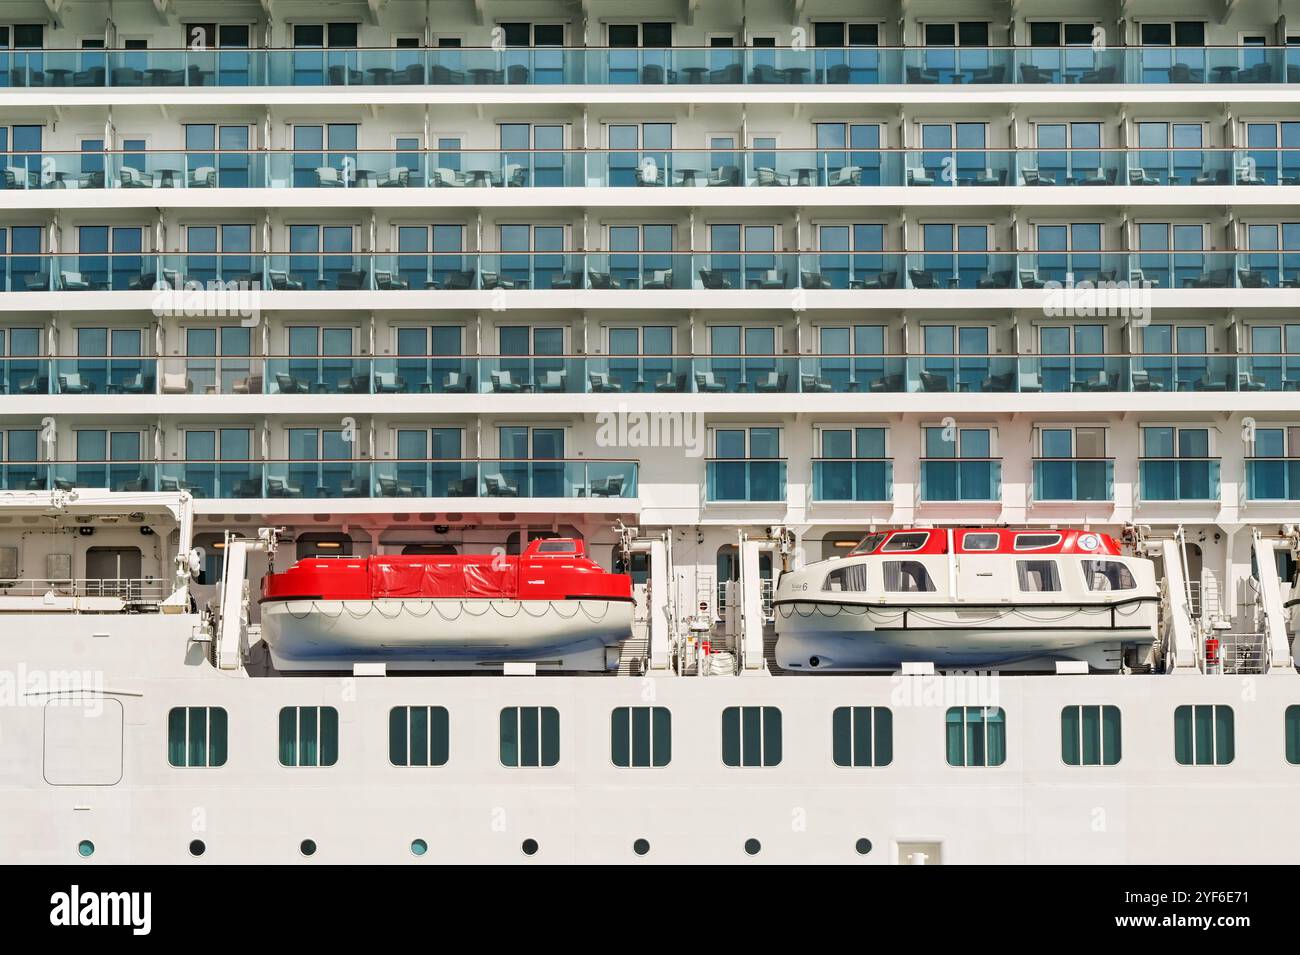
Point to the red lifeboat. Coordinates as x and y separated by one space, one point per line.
551 602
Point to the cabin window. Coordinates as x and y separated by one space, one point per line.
641 736
980 542
1036 541
907 576
530 736
1090 735
309 736
1291 723
751 736
418 736
1108 575
902 542
862 735
976 736
868 544
1203 735
852 579
196 736
1038 576
557 547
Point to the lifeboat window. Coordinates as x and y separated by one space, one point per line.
1038 576
751 736
868 544
530 736
557 547
641 736
417 735
1108 575
852 579
980 542
907 576
309 736
1036 541
913 541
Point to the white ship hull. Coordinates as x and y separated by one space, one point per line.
312 634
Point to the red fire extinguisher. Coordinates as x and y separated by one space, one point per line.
1211 650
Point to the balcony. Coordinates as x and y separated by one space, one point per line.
1179 479
678 168
668 66
744 480
1074 479
318 479
1118 273
1273 479
649 374
852 479
961 479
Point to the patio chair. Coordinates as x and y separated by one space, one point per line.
846 176
706 383
600 383
73 282
813 280
392 487
389 282
287 384
611 486
553 382
771 382
501 383
714 279
328 177
1137 176
498 485
279 487
814 384
456 383
398 177
725 176
922 278
933 382
282 282
917 176
659 279
131 178
1033 177
73 384
448 178
204 177
389 383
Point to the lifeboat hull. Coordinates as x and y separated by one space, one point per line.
310 634
816 636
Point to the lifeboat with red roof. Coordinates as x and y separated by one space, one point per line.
552 606
969 597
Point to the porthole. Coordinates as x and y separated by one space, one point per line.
307 847
641 846
753 847
85 848
419 847
530 847
197 848
863 846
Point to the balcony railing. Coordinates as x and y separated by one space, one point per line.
961 479
648 374
739 480
598 168
1179 479
1273 479
647 66
1116 274
470 478
1074 479
852 479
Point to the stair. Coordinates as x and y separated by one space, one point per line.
634 652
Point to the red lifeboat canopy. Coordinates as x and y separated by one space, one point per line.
987 540
550 569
